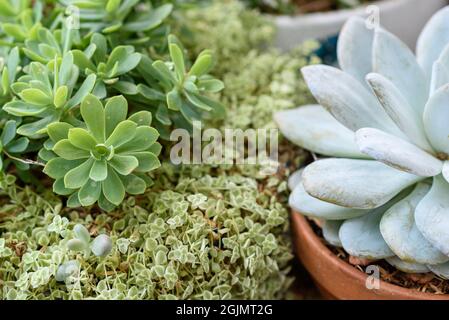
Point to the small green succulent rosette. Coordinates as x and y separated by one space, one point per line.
105 160
383 121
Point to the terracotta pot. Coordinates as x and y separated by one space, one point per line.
335 278
395 16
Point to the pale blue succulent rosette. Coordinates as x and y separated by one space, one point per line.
382 121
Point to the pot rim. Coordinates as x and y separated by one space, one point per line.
328 257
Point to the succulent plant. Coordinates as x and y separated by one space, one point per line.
101 246
105 160
47 94
179 96
383 123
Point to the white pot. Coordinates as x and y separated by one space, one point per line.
404 18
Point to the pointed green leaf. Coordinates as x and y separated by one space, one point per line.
68 151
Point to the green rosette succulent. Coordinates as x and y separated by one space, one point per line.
178 96
108 65
105 160
47 94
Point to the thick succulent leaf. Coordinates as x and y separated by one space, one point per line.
433 39
295 179
123 132
355 45
133 184
399 230
145 137
441 270
58 167
347 99
89 193
331 231
397 153
77 177
399 110
81 233
99 171
92 112
68 151
113 188
440 76
432 215
436 114
116 110
313 128
302 202
141 118
407 267
58 131
445 170
362 184
361 236
124 165
395 61
18 146
147 161
8 132
20 108
83 91
59 188
82 139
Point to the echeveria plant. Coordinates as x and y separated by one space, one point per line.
383 123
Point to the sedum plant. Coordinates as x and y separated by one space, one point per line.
383 124
198 233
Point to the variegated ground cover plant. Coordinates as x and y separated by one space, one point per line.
88 88
382 122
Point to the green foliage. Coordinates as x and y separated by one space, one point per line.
179 96
257 81
199 233
11 146
107 158
54 55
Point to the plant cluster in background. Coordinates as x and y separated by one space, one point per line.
258 80
192 236
69 68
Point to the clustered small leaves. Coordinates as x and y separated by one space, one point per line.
61 60
192 236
